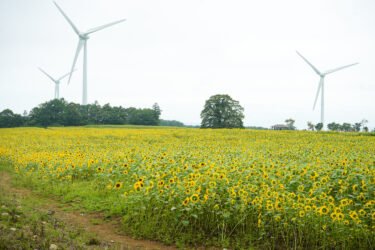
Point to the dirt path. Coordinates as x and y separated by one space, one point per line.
108 231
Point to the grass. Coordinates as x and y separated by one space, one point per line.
26 224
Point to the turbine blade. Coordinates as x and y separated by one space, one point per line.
312 66
317 92
103 26
339 68
50 77
65 75
67 19
79 47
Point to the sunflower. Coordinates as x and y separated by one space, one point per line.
344 202
331 199
362 212
302 213
205 197
118 185
277 218
212 184
323 210
186 201
278 205
194 198
333 216
137 186
314 175
353 215
307 208
340 216
269 207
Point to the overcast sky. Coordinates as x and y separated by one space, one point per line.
179 53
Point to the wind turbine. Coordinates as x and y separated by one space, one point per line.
321 84
56 81
83 37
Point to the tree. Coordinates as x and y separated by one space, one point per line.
9 119
71 115
290 123
319 126
141 116
49 113
157 112
333 126
357 126
311 126
364 127
172 123
221 111
346 127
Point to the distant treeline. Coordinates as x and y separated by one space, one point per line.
59 112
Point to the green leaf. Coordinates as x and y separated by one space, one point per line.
226 214
185 222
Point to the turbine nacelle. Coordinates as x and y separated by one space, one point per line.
83 36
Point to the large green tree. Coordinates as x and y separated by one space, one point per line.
221 111
49 113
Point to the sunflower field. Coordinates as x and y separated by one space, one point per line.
194 187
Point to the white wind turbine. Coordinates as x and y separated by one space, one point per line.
321 84
83 37
56 81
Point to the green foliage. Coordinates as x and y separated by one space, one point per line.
24 226
171 123
319 126
157 111
142 116
290 123
333 126
59 112
347 127
8 119
221 111
310 126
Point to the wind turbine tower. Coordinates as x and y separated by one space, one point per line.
321 84
56 81
82 42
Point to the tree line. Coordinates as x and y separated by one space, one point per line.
344 127
59 112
